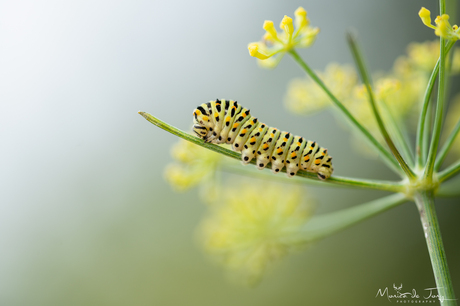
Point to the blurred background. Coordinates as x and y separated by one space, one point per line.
86 217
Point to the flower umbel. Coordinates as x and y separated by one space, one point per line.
274 45
254 226
442 27
304 96
193 165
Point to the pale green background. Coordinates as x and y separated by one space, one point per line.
85 216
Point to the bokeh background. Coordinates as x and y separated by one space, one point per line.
85 215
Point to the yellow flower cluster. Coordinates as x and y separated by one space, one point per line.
304 96
423 56
442 26
274 45
193 164
255 226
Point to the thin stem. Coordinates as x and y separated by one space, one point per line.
421 128
366 80
430 224
427 133
400 133
446 147
387 158
439 108
336 180
345 181
324 225
449 172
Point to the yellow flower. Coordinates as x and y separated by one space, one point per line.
425 15
274 45
193 165
442 28
304 96
255 226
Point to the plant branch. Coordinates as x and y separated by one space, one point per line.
421 128
449 172
338 180
428 173
419 144
430 224
324 225
387 157
366 80
401 135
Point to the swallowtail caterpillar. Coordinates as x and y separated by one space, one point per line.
225 121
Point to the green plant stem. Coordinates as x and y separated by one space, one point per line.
427 134
446 147
420 144
449 172
387 157
324 225
421 128
425 205
352 182
367 82
428 173
400 134
337 181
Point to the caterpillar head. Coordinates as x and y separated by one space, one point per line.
202 123
200 131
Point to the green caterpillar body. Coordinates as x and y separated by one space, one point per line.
225 121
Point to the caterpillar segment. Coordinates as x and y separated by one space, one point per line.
231 110
281 149
225 121
253 143
265 149
294 155
243 134
236 126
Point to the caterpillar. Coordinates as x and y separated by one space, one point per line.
225 121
